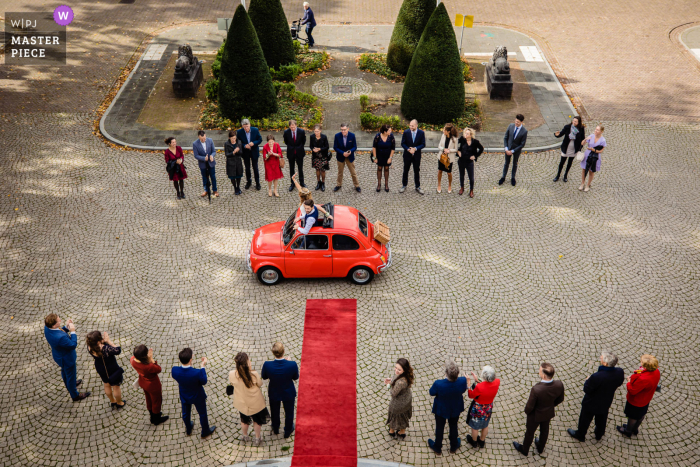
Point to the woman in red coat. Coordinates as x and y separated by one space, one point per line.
641 386
272 154
176 169
148 370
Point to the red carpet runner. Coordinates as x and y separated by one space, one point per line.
326 426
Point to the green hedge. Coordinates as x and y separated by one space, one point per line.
306 62
273 32
377 64
434 87
413 17
369 121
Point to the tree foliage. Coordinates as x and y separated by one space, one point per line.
413 16
272 28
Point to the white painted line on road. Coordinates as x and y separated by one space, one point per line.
696 52
154 52
531 53
483 54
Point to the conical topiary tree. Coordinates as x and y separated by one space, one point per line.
245 85
413 16
273 31
434 88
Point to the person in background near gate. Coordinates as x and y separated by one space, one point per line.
318 143
233 149
104 352
282 372
345 146
383 149
250 138
295 139
248 398
591 161
204 151
469 151
448 145
63 341
272 154
174 158
482 393
412 142
191 382
641 386
514 141
401 405
309 21
574 134
447 406
544 396
598 394
147 368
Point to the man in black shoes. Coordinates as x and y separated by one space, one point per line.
514 141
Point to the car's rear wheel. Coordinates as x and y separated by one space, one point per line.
361 275
268 275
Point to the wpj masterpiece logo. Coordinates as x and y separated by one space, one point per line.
36 38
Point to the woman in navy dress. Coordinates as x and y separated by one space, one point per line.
383 152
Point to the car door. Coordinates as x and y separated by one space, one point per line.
347 253
308 256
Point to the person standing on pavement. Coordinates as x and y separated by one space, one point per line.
204 151
591 160
412 142
104 352
574 134
448 146
447 407
147 368
174 158
401 405
599 392
233 150
295 139
191 382
318 143
248 399
514 142
282 372
482 393
544 396
250 137
468 152
641 386
345 146
383 149
63 340
309 21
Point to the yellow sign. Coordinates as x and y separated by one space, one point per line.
459 20
466 21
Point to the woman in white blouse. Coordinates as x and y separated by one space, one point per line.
448 145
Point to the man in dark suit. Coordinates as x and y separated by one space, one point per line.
412 142
282 373
544 396
63 341
447 406
599 392
250 137
514 141
309 21
345 146
295 139
204 151
191 382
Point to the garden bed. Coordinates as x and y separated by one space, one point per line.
376 63
373 116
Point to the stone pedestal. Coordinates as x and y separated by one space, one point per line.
186 84
500 86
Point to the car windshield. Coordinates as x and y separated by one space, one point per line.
362 223
288 231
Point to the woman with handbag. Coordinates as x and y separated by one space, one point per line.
318 143
574 135
274 162
248 398
104 352
469 151
401 405
383 149
482 394
233 149
591 161
174 158
447 154
147 368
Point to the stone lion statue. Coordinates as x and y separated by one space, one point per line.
185 59
499 61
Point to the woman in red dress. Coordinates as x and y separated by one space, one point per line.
148 370
272 155
174 166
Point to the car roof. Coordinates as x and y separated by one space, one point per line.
345 220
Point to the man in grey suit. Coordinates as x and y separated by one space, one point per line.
514 141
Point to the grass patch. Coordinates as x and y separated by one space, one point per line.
376 63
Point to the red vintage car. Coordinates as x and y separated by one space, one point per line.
340 247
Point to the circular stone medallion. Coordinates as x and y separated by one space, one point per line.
341 89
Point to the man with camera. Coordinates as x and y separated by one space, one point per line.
63 341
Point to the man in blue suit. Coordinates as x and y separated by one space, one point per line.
448 405
204 152
282 373
412 142
309 21
345 146
250 137
63 342
191 382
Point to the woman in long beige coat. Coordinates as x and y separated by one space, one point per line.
449 144
248 398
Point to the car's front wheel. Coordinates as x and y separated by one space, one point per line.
361 275
268 275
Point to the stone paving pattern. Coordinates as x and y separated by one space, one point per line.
510 278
